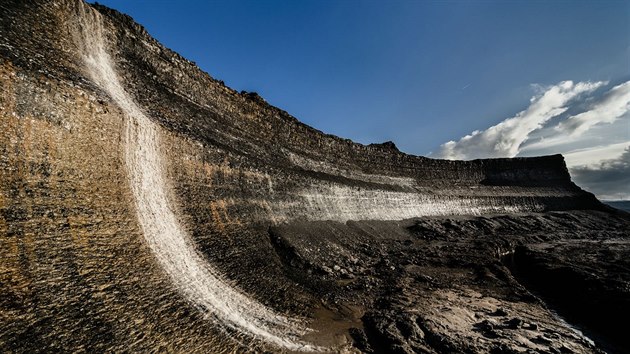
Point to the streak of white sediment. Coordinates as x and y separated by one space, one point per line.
342 203
164 233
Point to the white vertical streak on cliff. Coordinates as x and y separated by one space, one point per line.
164 233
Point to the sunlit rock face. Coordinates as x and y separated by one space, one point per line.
145 206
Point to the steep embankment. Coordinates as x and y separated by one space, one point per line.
137 194
164 233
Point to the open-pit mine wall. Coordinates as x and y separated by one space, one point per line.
136 191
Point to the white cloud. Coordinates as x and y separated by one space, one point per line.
614 104
505 138
610 179
595 141
594 156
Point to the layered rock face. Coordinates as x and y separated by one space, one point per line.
145 206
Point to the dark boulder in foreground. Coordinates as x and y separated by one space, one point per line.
145 206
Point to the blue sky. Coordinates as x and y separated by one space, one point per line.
425 73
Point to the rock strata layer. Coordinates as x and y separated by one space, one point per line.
145 206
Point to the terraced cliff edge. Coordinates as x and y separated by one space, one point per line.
144 205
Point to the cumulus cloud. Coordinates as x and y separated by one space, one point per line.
594 155
614 104
592 133
505 138
610 179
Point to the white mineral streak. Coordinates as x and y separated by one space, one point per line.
164 233
343 203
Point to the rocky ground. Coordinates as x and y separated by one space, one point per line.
586 281
498 284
